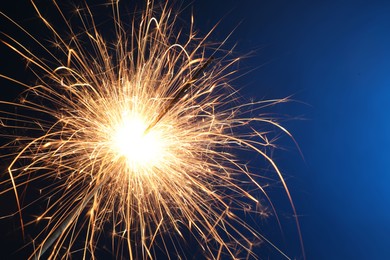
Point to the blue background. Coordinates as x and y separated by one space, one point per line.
333 57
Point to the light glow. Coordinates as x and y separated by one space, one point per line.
141 149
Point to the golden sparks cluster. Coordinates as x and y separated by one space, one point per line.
136 137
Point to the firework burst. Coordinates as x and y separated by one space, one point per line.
138 136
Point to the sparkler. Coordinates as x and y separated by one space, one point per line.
141 134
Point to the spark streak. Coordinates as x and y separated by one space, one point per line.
141 134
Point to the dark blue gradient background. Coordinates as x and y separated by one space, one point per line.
334 57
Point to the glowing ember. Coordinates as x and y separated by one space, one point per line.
141 149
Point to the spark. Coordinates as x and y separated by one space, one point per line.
141 134
131 141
